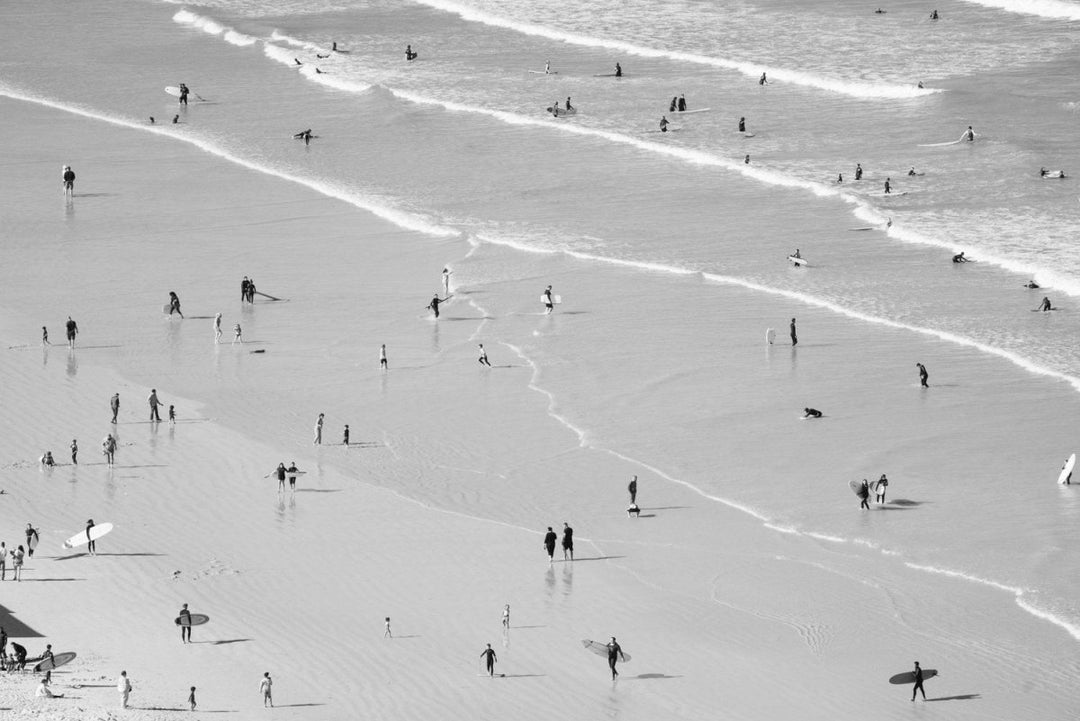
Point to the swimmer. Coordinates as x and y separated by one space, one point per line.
152 121
319 72
888 186
763 80
920 85
674 104
912 171
322 57
176 119
969 134
409 54
811 413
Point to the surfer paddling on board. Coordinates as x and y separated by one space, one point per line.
614 652
185 624
918 670
811 413
923 375
488 654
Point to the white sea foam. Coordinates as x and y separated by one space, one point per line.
213 27
1056 9
852 88
377 207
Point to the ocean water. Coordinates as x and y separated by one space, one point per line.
457 145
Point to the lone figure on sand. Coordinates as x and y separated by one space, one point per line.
923 375
483 359
185 624
69 181
265 686
318 430
632 488
614 653
123 685
488 654
918 683
72 331
794 335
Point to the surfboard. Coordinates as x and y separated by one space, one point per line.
556 299
691 112
165 308
563 113
797 261
173 91
33 542
940 145
909 676
1067 469
868 227
669 130
197 619
600 649
770 336
607 75
1054 176
79 539
856 487
58 660
748 135
541 72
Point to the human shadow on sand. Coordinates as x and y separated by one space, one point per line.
51 580
591 558
649 676
318 490
84 553
665 508
961 697
174 708
645 515
297 705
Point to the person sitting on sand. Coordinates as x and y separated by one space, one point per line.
811 413
43 690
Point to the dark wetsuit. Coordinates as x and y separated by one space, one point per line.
568 542
614 651
20 655
185 625
682 104
633 491
742 125
918 684
72 329
794 335
923 375
90 546
434 305
864 496
549 543
183 94
489 660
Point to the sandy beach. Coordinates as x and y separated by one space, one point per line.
751 585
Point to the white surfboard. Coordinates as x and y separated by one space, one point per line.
770 336
691 112
556 299
173 91
940 145
80 539
797 261
541 72
1067 469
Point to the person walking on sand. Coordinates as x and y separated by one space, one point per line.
217 328
506 616
32 539
17 562
318 430
91 546
238 334
45 336
614 653
549 300
191 698
108 448
174 304
433 306
794 335
632 488
293 472
244 288
864 495
345 436
72 331
387 633
923 375
483 359
114 403
488 654
172 415
549 543
382 357
74 451
69 181
123 686
882 486
266 688
567 542
152 399
918 683
185 624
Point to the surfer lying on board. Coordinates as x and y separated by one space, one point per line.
811 413
959 258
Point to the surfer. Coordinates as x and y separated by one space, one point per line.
4 555
244 288
569 107
345 436
176 120
933 16
333 47
488 654
19 651
1032 284
864 495
280 473
293 472
409 54
107 449
549 301
433 306
74 451
912 171
614 652
382 357
888 186
794 335
879 11
959 258
265 686
918 669
185 624
217 328
304 135
1045 305
567 542
682 103
297 61
663 123
796 254
549 543
483 359
969 134
72 331
174 304
152 399
811 413
923 375
69 181
554 109
251 291
318 430
674 104
763 80
632 489
322 57
742 125
858 171
91 547
152 121
183 94
618 70
31 539
882 486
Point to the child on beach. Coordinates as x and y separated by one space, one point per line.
237 333
191 698
45 336
387 633
172 415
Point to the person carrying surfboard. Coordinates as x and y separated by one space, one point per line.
549 545
864 495
31 539
183 94
918 675
614 652
549 302
185 624
91 546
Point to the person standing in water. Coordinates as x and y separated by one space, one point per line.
1045 305
618 70
969 135
763 80
238 334
45 336
488 654
69 181
567 542
345 436
864 495
506 617
318 430
266 688
217 328
742 125
663 123
923 375
185 624
682 103
549 544
382 357
888 186
72 331
293 472
632 488
549 299
152 399
918 681
433 306
858 171
74 451
183 94
280 472
794 335
483 359
614 653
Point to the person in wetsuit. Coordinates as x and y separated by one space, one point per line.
614 653
918 670
549 543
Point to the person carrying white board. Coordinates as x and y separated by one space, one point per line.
549 301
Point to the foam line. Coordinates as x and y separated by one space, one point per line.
397 217
213 27
855 89
1054 9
